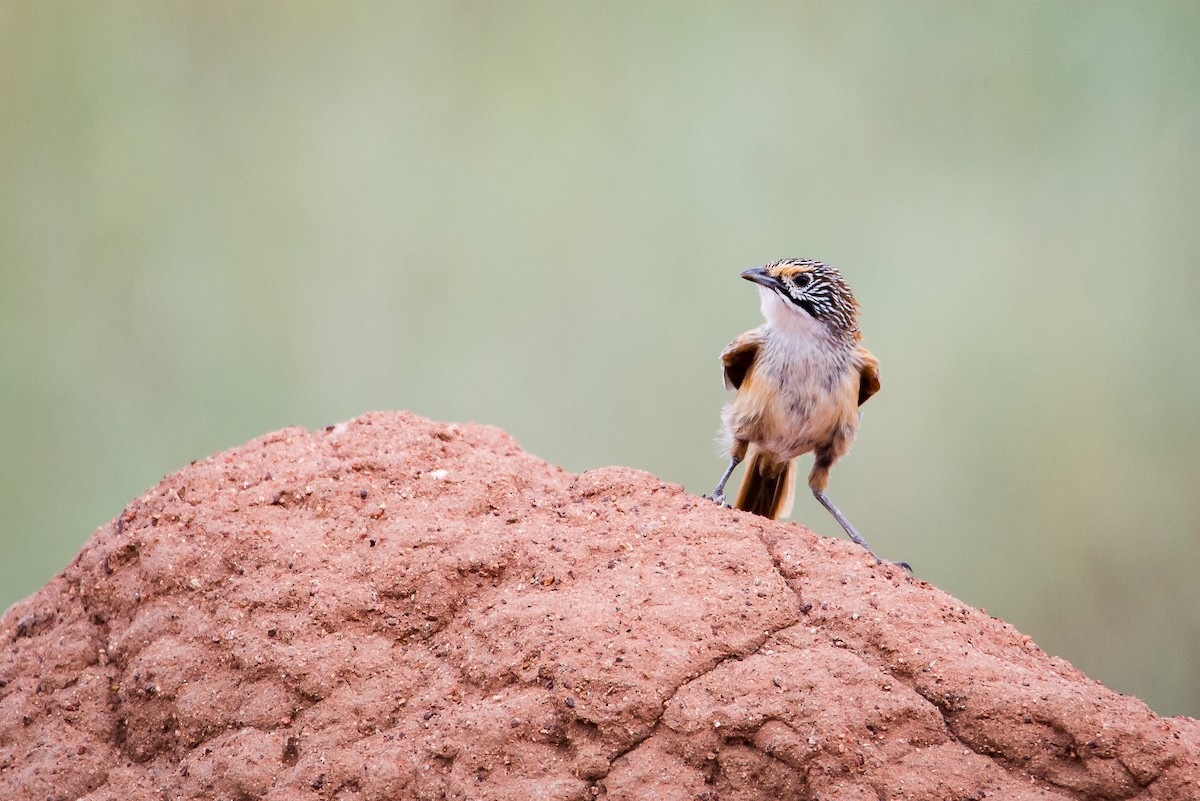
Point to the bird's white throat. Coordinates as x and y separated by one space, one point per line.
787 318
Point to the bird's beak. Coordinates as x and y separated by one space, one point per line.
760 276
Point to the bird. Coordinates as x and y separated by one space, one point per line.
800 379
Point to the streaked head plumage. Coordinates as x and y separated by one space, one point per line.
811 288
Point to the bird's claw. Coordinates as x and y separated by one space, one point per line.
879 561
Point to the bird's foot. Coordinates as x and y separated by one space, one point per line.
860 541
879 561
718 498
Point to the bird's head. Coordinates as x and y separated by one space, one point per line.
800 295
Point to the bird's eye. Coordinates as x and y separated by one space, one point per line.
803 279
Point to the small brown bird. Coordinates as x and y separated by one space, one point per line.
800 379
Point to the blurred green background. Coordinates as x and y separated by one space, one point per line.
219 219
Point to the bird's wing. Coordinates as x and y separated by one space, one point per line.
868 376
738 357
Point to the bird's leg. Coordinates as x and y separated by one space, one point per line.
841 518
737 452
850 530
818 479
718 494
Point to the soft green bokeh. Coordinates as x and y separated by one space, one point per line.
218 219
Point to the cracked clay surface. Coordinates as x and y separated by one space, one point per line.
395 608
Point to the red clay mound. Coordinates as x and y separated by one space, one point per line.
394 608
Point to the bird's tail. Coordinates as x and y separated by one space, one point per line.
769 486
